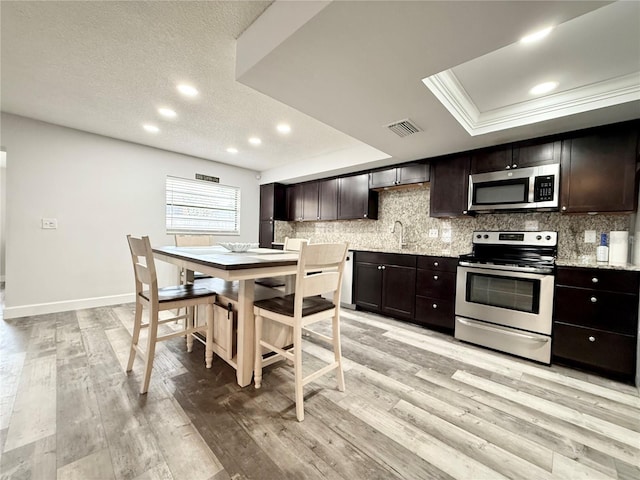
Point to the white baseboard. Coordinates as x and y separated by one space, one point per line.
54 307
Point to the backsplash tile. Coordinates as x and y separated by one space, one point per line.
411 207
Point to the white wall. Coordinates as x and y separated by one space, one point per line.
99 189
3 205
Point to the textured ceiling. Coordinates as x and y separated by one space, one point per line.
105 67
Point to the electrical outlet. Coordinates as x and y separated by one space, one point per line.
49 223
589 236
446 235
433 233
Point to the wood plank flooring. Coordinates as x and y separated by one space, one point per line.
418 405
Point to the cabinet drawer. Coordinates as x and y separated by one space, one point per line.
435 312
598 279
447 264
594 348
386 258
436 284
614 312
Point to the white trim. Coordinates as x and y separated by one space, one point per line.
64 306
451 93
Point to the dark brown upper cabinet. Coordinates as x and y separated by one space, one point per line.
409 174
309 201
328 199
273 202
520 155
294 202
449 187
599 171
355 200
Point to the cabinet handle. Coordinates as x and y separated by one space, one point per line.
564 208
435 305
435 277
435 264
515 165
379 267
383 267
594 299
594 280
318 217
508 167
592 339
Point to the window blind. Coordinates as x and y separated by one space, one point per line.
196 206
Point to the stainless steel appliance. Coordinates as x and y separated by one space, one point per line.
504 292
530 188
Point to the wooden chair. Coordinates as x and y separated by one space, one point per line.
160 299
193 241
294 244
303 308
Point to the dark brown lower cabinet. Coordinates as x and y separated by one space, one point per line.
595 323
436 292
385 283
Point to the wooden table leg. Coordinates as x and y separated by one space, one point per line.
246 331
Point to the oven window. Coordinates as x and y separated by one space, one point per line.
521 294
493 193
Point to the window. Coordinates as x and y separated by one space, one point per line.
196 206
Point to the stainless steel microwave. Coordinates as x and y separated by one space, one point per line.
529 188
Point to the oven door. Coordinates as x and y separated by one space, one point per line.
505 297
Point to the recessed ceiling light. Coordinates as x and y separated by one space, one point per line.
167 112
255 141
232 150
150 128
534 37
187 90
543 88
283 128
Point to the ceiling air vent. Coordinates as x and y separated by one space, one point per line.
404 128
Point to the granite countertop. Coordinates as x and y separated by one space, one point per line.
405 251
591 263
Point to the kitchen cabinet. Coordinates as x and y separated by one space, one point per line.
355 200
294 202
310 201
599 171
523 154
595 323
313 201
435 292
273 206
328 199
385 283
408 174
449 187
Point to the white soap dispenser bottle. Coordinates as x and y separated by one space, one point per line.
602 251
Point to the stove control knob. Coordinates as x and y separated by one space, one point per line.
478 236
486 236
548 237
538 237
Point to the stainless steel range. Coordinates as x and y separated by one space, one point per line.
504 292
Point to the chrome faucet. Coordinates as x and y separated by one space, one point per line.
402 243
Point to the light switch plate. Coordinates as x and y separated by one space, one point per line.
49 223
589 236
433 233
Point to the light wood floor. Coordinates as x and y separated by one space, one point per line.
418 405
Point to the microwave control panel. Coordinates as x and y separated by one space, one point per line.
543 188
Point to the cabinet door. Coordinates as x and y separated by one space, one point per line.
310 201
534 154
435 312
273 202
449 187
382 178
328 194
598 172
412 173
368 285
294 202
355 200
266 201
398 291
265 233
492 160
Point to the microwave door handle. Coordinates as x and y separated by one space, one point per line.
505 332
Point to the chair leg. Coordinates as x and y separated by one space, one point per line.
151 349
188 324
208 350
257 367
137 322
337 351
297 367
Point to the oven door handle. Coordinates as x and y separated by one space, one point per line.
506 332
508 268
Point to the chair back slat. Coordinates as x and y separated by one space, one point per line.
294 244
319 283
144 266
194 240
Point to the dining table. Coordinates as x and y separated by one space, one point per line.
244 267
